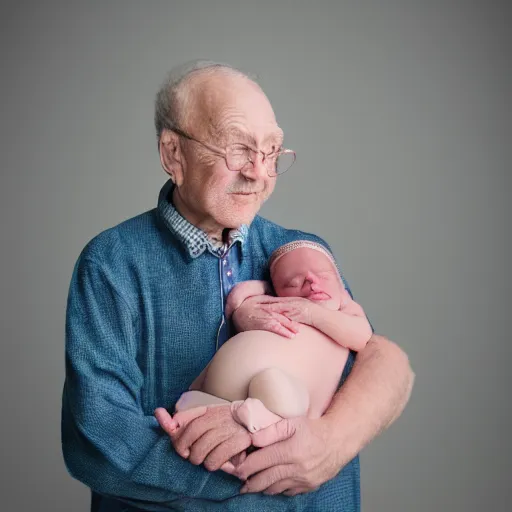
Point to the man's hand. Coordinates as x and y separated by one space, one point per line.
256 313
303 457
211 439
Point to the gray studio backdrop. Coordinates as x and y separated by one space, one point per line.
398 113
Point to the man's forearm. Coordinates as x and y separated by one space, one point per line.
373 396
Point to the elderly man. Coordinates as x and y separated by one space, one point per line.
146 314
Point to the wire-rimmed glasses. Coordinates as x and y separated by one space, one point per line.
238 155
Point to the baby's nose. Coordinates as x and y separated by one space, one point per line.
311 277
312 280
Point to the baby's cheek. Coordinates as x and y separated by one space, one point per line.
345 297
286 292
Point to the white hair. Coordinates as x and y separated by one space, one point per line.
173 93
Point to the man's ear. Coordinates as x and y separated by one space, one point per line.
171 156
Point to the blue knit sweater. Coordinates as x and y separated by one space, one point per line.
142 320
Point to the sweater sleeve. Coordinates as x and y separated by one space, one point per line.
108 442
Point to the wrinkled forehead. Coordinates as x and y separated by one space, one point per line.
228 107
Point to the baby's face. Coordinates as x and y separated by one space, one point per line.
308 273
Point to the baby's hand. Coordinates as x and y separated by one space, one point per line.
296 309
256 313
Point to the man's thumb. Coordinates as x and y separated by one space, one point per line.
274 433
165 420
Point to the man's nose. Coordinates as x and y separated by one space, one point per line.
255 169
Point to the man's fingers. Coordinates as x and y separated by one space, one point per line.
228 467
288 484
218 419
165 420
267 478
227 450
231 465
189 435
298 490
183 418
239 457
205 444
279 431
263 459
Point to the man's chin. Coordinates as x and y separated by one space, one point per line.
236 219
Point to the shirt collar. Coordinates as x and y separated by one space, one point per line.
194 239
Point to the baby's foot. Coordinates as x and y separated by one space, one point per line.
252 414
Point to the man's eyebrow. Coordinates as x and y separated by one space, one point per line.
276 137
234 134
237 135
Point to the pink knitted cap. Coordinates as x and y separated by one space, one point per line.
299 244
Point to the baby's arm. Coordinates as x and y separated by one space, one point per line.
348 326
243 291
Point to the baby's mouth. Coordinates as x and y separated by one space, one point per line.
318 296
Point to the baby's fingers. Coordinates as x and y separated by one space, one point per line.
284 326
277 328
291 325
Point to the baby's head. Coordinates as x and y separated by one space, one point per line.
306 269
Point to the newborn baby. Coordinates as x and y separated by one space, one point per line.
266 376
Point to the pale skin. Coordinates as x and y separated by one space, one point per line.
330 314
304 452
267 378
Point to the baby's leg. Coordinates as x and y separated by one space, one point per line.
192 404
273 395
191 399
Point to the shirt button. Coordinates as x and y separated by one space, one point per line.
228 273
224 262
